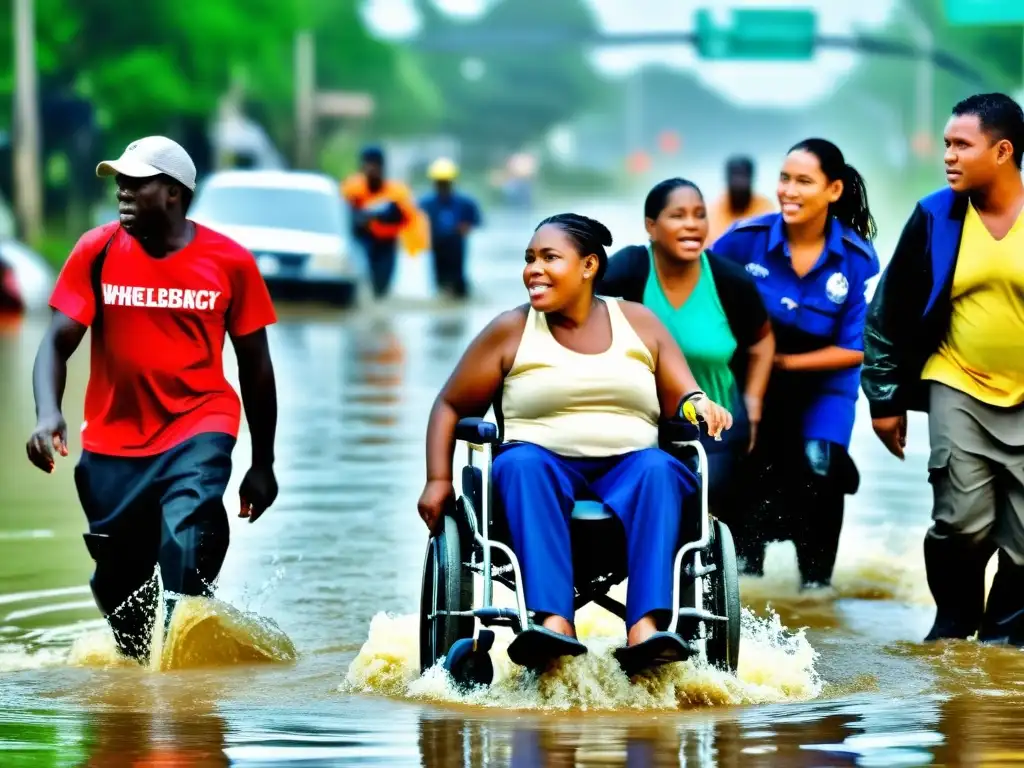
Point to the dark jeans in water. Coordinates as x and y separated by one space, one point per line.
166 509
381 259
449 255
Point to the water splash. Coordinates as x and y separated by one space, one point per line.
775 665
203 632
869 571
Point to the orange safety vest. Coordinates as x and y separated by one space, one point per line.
413 233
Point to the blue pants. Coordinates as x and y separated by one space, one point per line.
645 489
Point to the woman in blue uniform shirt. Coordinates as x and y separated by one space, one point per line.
811 263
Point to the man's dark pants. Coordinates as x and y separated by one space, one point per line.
450 265
166 509
381 259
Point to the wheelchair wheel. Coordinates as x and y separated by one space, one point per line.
723 641
452 590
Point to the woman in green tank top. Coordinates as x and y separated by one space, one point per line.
698 325
712 308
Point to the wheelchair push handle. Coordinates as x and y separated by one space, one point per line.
688 411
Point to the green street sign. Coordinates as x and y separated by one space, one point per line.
984 12
756 35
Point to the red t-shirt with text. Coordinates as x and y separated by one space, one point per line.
157 371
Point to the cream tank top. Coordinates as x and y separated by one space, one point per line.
579 405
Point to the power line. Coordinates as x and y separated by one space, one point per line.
484 41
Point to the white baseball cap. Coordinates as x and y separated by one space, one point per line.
152 156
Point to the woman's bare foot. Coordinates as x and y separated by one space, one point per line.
641 631
559 625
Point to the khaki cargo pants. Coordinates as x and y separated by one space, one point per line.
976 469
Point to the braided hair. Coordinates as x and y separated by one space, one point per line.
588 235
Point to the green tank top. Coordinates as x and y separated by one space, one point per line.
701 329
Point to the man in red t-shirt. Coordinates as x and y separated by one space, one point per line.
161 420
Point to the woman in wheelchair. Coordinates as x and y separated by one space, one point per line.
581 383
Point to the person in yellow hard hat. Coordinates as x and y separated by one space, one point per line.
452 216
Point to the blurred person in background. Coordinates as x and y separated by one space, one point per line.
811 263
11 301
713 310
159 292
452 215
581 384
740 201
945 335
384 215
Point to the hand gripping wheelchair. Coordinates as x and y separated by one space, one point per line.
473 540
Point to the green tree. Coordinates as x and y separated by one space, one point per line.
407 99
162 64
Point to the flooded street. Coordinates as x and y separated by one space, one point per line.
333 572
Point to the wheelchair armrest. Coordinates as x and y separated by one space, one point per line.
477 431
677 431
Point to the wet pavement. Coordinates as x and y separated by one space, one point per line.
824 679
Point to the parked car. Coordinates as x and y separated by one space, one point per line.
26 280
295 224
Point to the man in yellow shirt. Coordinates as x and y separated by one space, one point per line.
945 334
740 201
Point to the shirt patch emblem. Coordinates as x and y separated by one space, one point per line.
757 270
837 288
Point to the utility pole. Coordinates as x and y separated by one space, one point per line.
924 97
28 198
305 97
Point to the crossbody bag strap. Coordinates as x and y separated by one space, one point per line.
96 273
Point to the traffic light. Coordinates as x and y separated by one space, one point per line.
759 35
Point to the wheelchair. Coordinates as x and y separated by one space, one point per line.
472 540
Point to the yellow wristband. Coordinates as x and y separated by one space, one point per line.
689 412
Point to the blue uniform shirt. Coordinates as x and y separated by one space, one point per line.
827 307
446 214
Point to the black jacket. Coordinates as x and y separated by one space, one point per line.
626 278
910 312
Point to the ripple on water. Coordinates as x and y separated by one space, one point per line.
776 665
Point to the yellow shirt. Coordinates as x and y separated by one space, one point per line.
983 353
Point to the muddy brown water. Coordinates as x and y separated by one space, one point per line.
323 592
